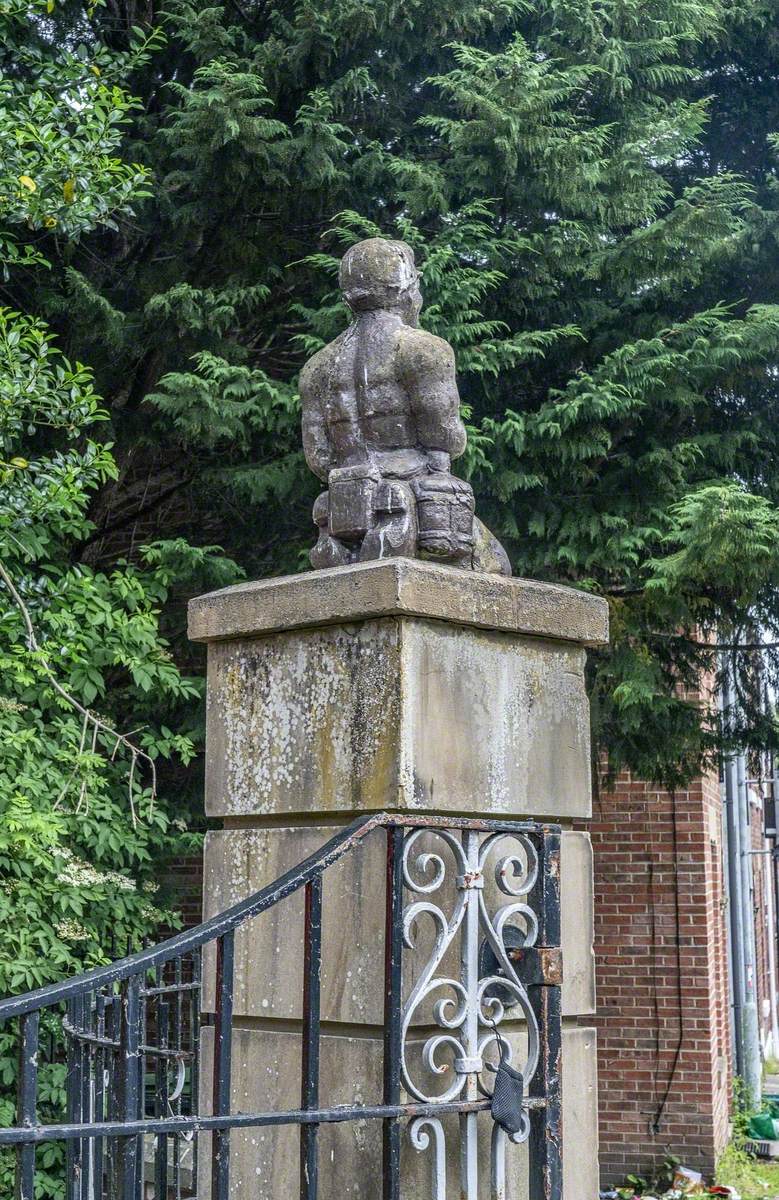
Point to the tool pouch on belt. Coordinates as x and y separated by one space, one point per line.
352 500
445 508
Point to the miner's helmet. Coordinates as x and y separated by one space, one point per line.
378 273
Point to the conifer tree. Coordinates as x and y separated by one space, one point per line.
592 192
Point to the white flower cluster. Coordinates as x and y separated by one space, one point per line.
71 931
120 881
77 873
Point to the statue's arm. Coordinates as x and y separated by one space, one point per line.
316 441
428 372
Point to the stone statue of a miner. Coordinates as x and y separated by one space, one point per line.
381 425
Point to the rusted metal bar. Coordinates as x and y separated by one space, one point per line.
82 1036
100 1094
26 1100
295 1116
194 1079
72 1101
477 824
544 990
170 989
113 1109
223 1037
85 1077
180 987
393 948
312 978
129 1159
161 1100
141 1061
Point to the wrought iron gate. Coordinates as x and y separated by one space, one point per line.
128 1034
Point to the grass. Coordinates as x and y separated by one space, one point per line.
752 1178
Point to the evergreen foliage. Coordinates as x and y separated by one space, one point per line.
90 697
592 191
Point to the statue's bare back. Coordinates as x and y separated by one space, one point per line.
381 424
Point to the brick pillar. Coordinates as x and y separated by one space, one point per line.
661 962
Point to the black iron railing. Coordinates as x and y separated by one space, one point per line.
136 1106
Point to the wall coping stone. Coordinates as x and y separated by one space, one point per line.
399 587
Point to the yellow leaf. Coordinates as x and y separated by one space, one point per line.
28 183
69 190
19 463
50 222
49 6
95 70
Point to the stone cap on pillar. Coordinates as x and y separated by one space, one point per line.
400 587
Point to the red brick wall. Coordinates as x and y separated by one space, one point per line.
184 888
663 1009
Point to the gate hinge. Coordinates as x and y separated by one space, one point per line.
538 966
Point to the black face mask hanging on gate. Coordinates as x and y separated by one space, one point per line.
507 1095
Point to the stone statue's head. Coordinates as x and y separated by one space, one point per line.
380 274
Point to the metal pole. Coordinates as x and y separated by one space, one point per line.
767 785
753 1063
774 869
769 882
728 915
735 910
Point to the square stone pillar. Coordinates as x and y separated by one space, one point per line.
393 685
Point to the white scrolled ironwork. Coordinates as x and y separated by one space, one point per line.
420 1140
472 1006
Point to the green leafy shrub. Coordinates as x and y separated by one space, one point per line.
91 701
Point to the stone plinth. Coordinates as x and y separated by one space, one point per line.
397 685
392 685
399 587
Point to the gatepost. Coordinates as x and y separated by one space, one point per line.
396 685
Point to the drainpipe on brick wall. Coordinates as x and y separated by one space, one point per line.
769 879
753 1062
728 918
735 910
773 869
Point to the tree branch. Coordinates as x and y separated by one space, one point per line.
128 518
678 637
89 716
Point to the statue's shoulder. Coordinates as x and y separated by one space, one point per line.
319 366
424 352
